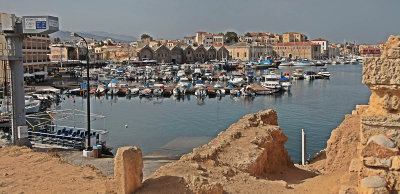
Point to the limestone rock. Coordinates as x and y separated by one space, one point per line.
382 140
395 163
377 151
377 162
128 165
373 182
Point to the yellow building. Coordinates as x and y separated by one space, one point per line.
246 51
294 37
299 50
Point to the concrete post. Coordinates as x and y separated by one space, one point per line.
14 46
303 147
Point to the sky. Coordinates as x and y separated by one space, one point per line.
363 21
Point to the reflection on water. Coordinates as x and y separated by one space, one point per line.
317 106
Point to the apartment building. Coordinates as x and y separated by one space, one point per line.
298 50
294 37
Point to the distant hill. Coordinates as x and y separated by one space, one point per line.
98 35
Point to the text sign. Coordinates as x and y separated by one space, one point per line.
35 23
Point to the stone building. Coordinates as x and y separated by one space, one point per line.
188 54
36 51
199 54
298 50
246 51
324 46
182 54
293 37
218 39
176 55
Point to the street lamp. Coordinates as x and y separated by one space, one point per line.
73 34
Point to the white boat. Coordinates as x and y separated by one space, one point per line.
309 75
158 92
272 82
31 105
353 61
145 92
237 81
324 72
286 84
134 91
235 92
183 82
180 73
247 91
101 89
218 86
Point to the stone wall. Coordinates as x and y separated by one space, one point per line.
380 123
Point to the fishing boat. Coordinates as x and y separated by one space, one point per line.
100 90
183 82
134 91
235 92
218 86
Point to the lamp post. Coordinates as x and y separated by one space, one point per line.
88 148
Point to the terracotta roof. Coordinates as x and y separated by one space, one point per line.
201 32
319 39
371 48
207 34
296 44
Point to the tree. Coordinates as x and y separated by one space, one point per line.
247 34
109 43
56 39
231 37
107 55
101 43
145 36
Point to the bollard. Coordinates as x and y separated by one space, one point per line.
303 147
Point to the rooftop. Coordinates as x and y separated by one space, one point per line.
296 43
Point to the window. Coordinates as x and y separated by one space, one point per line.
245 54
238 54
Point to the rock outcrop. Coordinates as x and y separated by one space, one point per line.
248 152
128 165
380 123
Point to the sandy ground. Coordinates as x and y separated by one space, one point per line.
23 170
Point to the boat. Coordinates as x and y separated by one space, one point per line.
235 92
134 91
218 86
100 90
237 81
158 92
298 74
309 75
183 82
181 73
145 92
271 82
247 91
324 73
285 83
31 105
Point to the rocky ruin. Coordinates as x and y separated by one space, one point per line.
253 147
380 123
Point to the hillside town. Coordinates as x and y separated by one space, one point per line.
43 54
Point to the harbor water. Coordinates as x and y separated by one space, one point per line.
176 126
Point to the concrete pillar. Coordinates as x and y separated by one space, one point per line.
128 165
14 46
303 147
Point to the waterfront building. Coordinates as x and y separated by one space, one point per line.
189 40
188 54
200 54
334 51
218 39
294 37
298 50
199 37
36 51
64 54
245 51
179 54
207 40
324 46
370 52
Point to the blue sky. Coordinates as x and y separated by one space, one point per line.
365 21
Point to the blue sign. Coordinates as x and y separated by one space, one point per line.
40 24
